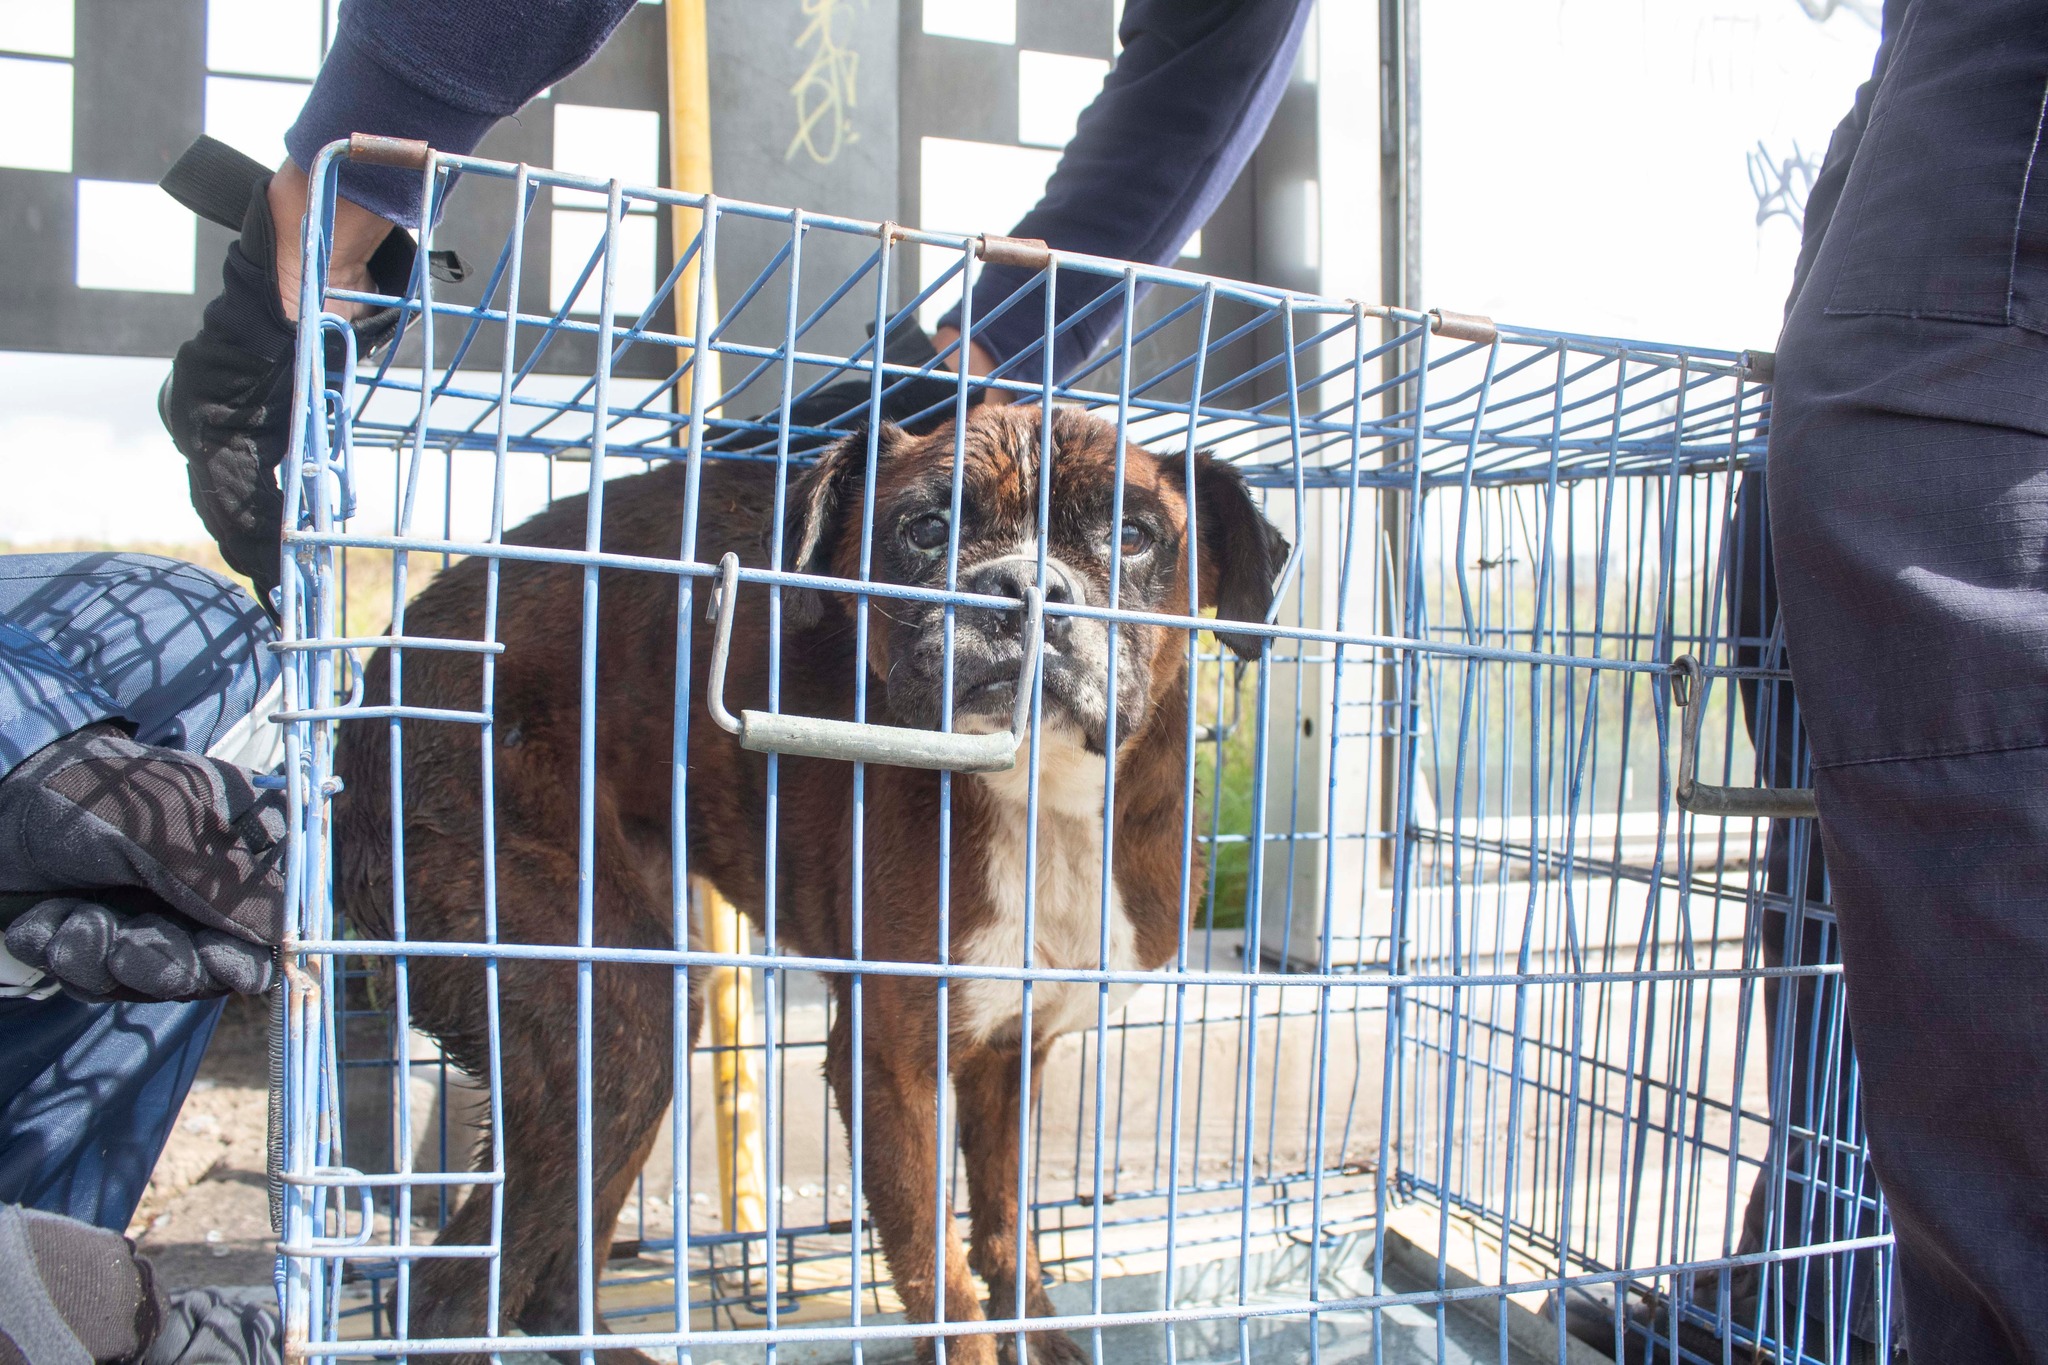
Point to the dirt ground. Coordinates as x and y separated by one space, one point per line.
205 1219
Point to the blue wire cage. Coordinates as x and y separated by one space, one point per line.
1476 1044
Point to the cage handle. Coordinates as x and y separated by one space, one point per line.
854 742
1689 690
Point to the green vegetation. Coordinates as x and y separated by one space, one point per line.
1226 699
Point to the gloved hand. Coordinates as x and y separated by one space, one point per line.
73 1292
145 861
228 401
133 947
922 403
234 1326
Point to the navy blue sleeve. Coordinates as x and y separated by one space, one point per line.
1152 157
442 71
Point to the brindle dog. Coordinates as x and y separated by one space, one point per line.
538 705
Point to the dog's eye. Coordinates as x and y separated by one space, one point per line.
927 532
1135 539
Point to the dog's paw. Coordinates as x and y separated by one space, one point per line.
1043 1348
961 1351
1057 1348
616 1355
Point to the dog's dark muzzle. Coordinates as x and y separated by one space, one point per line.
986 686
1009 577
989 648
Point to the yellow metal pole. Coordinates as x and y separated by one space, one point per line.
729 994
735 1080
689 167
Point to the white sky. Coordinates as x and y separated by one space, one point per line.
1584 161
86 457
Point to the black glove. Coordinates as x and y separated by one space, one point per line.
131 946
228 401
238 1326
96 813
71 1291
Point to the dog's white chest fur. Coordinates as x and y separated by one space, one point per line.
1068 900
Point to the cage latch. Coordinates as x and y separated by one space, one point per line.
855 742
1689 690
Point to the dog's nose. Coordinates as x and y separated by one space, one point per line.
1009 576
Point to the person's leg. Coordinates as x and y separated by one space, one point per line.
88 1093
1909 504
1942 871
1787 928
1819 1188
178 653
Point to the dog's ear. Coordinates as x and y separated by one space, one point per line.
815 510
1242 553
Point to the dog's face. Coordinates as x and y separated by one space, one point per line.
1240 556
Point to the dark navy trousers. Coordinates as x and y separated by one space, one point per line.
1819 1186
1908 494
177 654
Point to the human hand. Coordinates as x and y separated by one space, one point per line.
114 946
228 401
138 862
922 401
84 1290
979 362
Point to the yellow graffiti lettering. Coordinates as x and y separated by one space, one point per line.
829 89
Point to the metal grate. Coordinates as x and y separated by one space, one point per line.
1472 1044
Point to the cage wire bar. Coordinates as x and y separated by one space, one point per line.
1526 1064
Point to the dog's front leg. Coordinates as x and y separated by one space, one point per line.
989 1082
901 1160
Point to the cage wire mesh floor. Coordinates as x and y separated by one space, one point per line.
1470 1045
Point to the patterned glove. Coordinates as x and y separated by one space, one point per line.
228 401
145 862
116 948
